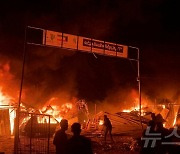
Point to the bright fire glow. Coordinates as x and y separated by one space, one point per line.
175 118
163 106
55 111
136 108
174 121
5 104
101 122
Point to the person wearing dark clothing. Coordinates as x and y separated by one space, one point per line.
78 144
153 116
163 149
108 128
60 138
149 149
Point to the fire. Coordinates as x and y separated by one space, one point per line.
163 106
5 104
56 112
4 99
175 118
101 122
136 108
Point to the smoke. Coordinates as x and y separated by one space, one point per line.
66 74
56 73
9 82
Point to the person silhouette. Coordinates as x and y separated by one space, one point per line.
108 128
78 144
150 135
60 138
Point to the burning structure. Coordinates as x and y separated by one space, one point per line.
47 109
7 115
76 110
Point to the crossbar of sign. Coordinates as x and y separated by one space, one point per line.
85 44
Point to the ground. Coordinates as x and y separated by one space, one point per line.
126 137
123 144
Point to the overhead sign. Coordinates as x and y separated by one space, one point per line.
53 38
84 44
74 42
110 49
122 51
98 46
69 41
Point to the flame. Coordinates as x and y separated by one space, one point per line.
175 118
163 106
136 108
174 121
5 104
101 122
56 113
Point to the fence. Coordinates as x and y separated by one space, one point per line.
35 133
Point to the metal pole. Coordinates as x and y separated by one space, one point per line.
31 133
139 85
95 116
16 138
49 130
139 82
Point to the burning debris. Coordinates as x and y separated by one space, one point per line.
7 114
168 112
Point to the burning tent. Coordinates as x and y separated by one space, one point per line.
4 122
7 114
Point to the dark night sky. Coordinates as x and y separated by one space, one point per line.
151 25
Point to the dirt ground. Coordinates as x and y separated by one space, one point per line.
123 144
125 137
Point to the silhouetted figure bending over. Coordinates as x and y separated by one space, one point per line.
108 128
60 138
78 144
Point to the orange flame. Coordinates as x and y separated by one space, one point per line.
5 103
55 112
101 122
136 108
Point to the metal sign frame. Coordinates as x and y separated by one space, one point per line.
16 139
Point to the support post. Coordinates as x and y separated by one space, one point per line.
139 82
16 138
95 116
49 130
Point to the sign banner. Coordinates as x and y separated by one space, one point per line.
97 46
69 41
84 44
53 38
110 49
122 51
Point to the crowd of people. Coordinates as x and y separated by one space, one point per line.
77 144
